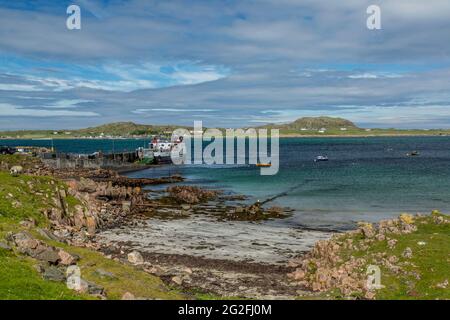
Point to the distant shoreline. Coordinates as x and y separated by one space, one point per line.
387 135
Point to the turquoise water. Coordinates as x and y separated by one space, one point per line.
365 179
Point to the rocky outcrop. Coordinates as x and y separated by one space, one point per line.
191 194
327 266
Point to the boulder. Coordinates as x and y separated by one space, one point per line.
48 255
177 280
91 225
53 273
135 257
87 185
66 258
24 242
128 296
78 217
5 246
28 224
16 170
94 289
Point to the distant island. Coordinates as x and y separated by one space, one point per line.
303 127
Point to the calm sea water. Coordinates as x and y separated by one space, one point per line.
365 178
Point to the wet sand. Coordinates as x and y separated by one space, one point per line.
228 258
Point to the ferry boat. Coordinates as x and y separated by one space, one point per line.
160 150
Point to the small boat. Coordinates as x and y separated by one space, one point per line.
321 158
264 165
413 154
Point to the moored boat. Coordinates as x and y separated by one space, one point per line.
321 158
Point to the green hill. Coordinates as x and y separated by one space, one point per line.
316 123
125 129
116 129
307 126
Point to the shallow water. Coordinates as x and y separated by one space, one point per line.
365 179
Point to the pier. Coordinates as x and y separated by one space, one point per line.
92 161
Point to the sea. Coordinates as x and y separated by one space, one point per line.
365 179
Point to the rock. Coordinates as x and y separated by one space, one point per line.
367 230
16 170
91 225
75 282
155 270
239 209
48 255
87 185
79 219
392 243
406 218
46 234
5 246
128 296
105 274
443 285
187 270
185 207
53 273
135 257
31 223
177 280
126 206
95 289
191 194
61 234
66 258
24 242
407 253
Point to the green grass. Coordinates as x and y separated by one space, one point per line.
24 196
126 278
19 280
430 261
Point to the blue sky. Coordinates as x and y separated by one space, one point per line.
228 63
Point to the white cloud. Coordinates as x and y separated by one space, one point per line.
14 111
145 110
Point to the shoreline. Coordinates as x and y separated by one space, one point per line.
393 135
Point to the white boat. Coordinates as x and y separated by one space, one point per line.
162 150
321 158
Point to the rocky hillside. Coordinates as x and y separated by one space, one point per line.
411 254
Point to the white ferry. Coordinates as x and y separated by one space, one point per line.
160 150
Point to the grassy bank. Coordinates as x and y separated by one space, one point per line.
412 254
23 198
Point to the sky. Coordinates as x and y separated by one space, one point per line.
229 63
